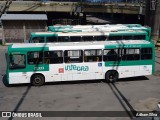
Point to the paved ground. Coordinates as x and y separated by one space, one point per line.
140 94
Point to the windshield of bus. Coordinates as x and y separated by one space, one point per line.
17 61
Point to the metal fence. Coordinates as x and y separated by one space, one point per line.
67 21
95 1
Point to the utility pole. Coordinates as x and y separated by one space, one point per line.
152 17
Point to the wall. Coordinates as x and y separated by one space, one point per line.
19 31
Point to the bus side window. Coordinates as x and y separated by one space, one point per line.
35 58
53 57
127 37
116 37
130 54
94 55
111 55
146 53
37 40
139 37
73 56
63 39
87 38
75 38
100 38
51 39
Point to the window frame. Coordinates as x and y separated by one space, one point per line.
118 53
124 36
34 58
140 37
33 41
110 36
147 53
73 37
87 39
93 58
49 58
127 55
104 36
68 59
60 37
51 37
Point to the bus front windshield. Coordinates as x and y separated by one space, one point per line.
17 61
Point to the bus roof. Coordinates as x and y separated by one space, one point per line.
87 33
107 27
79 44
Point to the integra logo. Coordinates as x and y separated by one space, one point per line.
78 68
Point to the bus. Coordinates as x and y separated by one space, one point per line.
38 63
48 37
106 27
91 27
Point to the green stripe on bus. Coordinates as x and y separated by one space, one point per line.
30 49
128 63
33 68
122 45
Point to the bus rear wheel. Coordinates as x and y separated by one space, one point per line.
37 80
111 76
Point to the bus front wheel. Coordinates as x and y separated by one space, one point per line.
111 76
37 80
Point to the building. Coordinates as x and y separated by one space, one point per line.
16 28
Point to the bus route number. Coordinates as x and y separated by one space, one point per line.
38 68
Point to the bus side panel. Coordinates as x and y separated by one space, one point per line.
144 70
21 77
74 71
123 71
131 71
55 72
83 71
18 78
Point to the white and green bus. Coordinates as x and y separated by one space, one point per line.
93 28
37 63
107 27
48 37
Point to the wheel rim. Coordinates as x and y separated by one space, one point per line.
37 80
111 77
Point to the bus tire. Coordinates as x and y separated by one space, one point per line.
37 80
111 76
